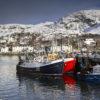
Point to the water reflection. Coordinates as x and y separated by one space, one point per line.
55 88
89 91
8 80
18 87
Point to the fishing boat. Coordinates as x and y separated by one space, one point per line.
57 67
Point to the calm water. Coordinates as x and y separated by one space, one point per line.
15 87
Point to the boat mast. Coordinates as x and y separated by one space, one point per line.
61 41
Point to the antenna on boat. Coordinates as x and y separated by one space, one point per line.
61 41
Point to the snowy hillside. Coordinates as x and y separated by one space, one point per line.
81 22
93 30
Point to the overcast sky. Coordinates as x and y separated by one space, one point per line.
36 11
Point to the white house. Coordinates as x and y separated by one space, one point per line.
3 41
90 42
21 49
4 50
64 48
10 39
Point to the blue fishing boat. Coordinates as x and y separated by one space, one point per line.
56 67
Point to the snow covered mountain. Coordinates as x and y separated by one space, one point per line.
93 30
82 22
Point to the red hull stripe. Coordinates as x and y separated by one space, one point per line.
69 66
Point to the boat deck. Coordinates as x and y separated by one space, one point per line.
38 64
34 64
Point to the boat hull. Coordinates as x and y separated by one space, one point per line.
69 65
50 69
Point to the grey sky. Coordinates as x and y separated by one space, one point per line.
36 11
